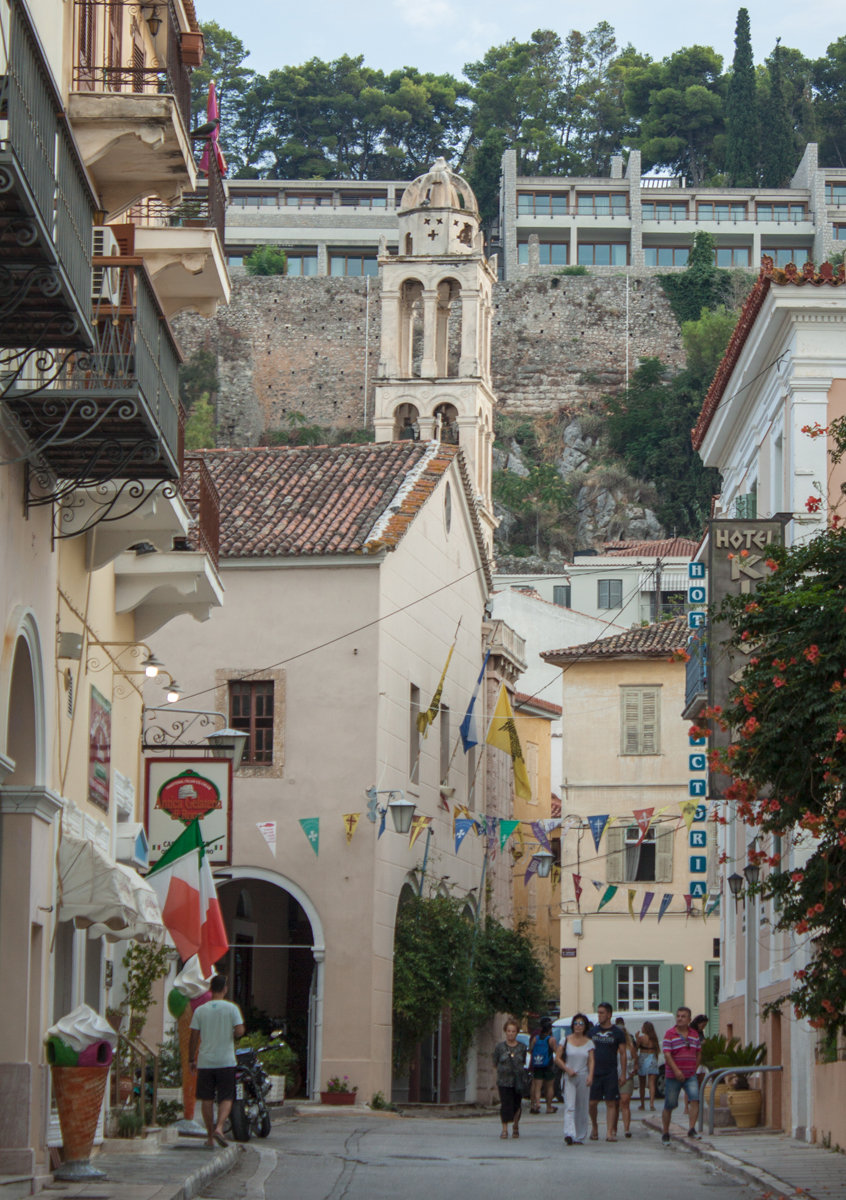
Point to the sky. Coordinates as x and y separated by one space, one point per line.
442 35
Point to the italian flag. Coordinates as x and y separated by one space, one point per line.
183 882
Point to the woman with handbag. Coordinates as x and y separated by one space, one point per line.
575 1058
509 1058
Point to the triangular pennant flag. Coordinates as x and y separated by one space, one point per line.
463 825
555 875
540 833
577 886
530 870
351 821
609 894
643 816
688 811
519 850
550 823
468 728
503 734
632 894
665 904
597 884
444 802
425 719
267 829
688 900
648 897
382 823
597 827
714 906
311 828
566 824
418 824
506 828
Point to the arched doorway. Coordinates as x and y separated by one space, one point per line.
275 961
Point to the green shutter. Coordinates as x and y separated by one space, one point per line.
603 984
671 986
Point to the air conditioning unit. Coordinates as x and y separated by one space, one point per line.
106 280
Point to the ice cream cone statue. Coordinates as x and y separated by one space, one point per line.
80 1049
189 991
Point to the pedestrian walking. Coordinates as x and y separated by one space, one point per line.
575 1057
542 1049
627 1085
509 1058
214 1027
682 1048
609 1065
698 1023
648 1049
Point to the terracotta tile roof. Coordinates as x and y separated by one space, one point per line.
556 806
309 500
647 641
678 547
827 276
191 14
522 698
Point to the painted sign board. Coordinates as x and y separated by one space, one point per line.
180 790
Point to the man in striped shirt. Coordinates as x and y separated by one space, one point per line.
682 1048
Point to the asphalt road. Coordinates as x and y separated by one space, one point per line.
377 1158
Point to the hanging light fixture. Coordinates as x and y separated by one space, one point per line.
174 692
401 811
154 22
735 883
544 860
151 665
228 743
752 873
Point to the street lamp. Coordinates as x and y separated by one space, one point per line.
173 692
228 743
735 883
752 873
151 665
401 811
544 860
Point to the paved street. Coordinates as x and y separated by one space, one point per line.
377 1158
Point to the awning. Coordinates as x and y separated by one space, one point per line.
671 581
147 926
94 891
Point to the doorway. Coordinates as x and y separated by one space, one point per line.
712 996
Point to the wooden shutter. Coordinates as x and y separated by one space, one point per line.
650 733
640 720
604 985
671 986
615 849
664 840
630 720
713 856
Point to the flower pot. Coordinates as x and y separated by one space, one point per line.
337 1097
79 1095
746 1107
192 46
722 1092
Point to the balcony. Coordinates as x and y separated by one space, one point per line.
696 676
201 497
131 120
46 205
113 413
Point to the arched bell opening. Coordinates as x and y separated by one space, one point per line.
411 329
446 424
406 423
448 328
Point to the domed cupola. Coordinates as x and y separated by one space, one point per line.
438 214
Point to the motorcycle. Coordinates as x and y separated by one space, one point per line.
249 1111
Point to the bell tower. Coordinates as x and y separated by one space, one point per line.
434 376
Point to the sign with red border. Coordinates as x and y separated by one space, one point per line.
180 790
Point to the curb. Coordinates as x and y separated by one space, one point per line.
736 1167
194 1183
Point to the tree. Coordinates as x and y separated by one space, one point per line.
223 62
200 428
266 260
829 80
778 158
197 376
701 285
539 495
741 110
485 173
680 103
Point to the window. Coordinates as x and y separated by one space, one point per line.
550 254
532 769
664 210
638 988
242 201
235 260
317 201
443 722
782 255
561 595
610 593
839 232
640 855
353 264
782 212
542 204
649 862
746 506
251 709
413 735
723 211
352 200
732 256
302 264
603 254
665 256
835 193
640 711
595 204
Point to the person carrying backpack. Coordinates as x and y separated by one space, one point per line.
542 1050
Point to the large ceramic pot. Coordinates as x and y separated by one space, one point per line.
746 1107
722 1092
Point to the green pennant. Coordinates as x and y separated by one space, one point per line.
311 828
609 894
506 828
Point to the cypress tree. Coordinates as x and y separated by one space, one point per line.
742 141
779 155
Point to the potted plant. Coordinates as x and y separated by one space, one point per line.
745 1102
712 1048
338 1091
281 1064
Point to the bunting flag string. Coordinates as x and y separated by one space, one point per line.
597 827
643 816
506 828
665 904
311 828
714 906
540 833
688 812
609 894
463 825
549 823
688 901
418 824
598 884
632 894
648 897
351 821
577 887
267 829
530 871
520 850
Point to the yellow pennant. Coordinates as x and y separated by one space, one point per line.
425 719
503 734
556 878
688 811
418 824
632 894
518 851
351 821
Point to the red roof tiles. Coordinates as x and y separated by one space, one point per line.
664 547
648 641
522 698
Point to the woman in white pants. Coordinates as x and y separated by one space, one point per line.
575 1058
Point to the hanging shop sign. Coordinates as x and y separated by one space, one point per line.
181 790
99 750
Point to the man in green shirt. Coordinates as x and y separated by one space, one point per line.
215 1026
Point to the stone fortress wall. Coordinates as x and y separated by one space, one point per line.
311 346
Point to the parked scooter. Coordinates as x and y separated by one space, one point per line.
249 1110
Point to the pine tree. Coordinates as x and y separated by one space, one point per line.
779 155
742 141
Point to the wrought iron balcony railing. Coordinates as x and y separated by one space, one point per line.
696 675
206 209
46 204
199 493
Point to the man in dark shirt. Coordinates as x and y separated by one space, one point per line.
609 1069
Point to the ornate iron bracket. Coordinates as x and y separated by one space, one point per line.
159 736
